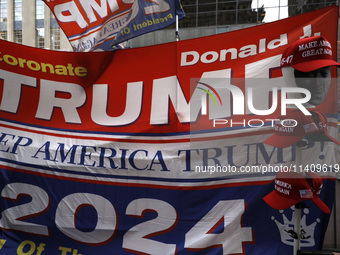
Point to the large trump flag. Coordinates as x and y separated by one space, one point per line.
157 150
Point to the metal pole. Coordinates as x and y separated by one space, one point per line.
236 12
257 12
216 13
177 29
298 157
297 228
196 13
298 162
337 182
297 213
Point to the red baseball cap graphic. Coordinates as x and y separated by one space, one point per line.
292 187
291 128
308 54
320 120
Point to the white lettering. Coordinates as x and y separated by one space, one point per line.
278 42
247 51
223 54
298 102
289 123
184 58
133 106
48 100
91 5
244 52
209 57
225 99
261 112
72 9
11 94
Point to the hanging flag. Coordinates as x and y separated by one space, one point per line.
145 150
105 25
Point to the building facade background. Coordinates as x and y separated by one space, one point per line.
30 22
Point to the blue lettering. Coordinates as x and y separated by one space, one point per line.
102 156
218 152
17 143
45 149
2 137
159 155
132 159
85 154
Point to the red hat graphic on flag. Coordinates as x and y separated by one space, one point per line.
294 126
292 188
291 128
308 54
320 120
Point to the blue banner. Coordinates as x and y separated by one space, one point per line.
56 216
91 26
